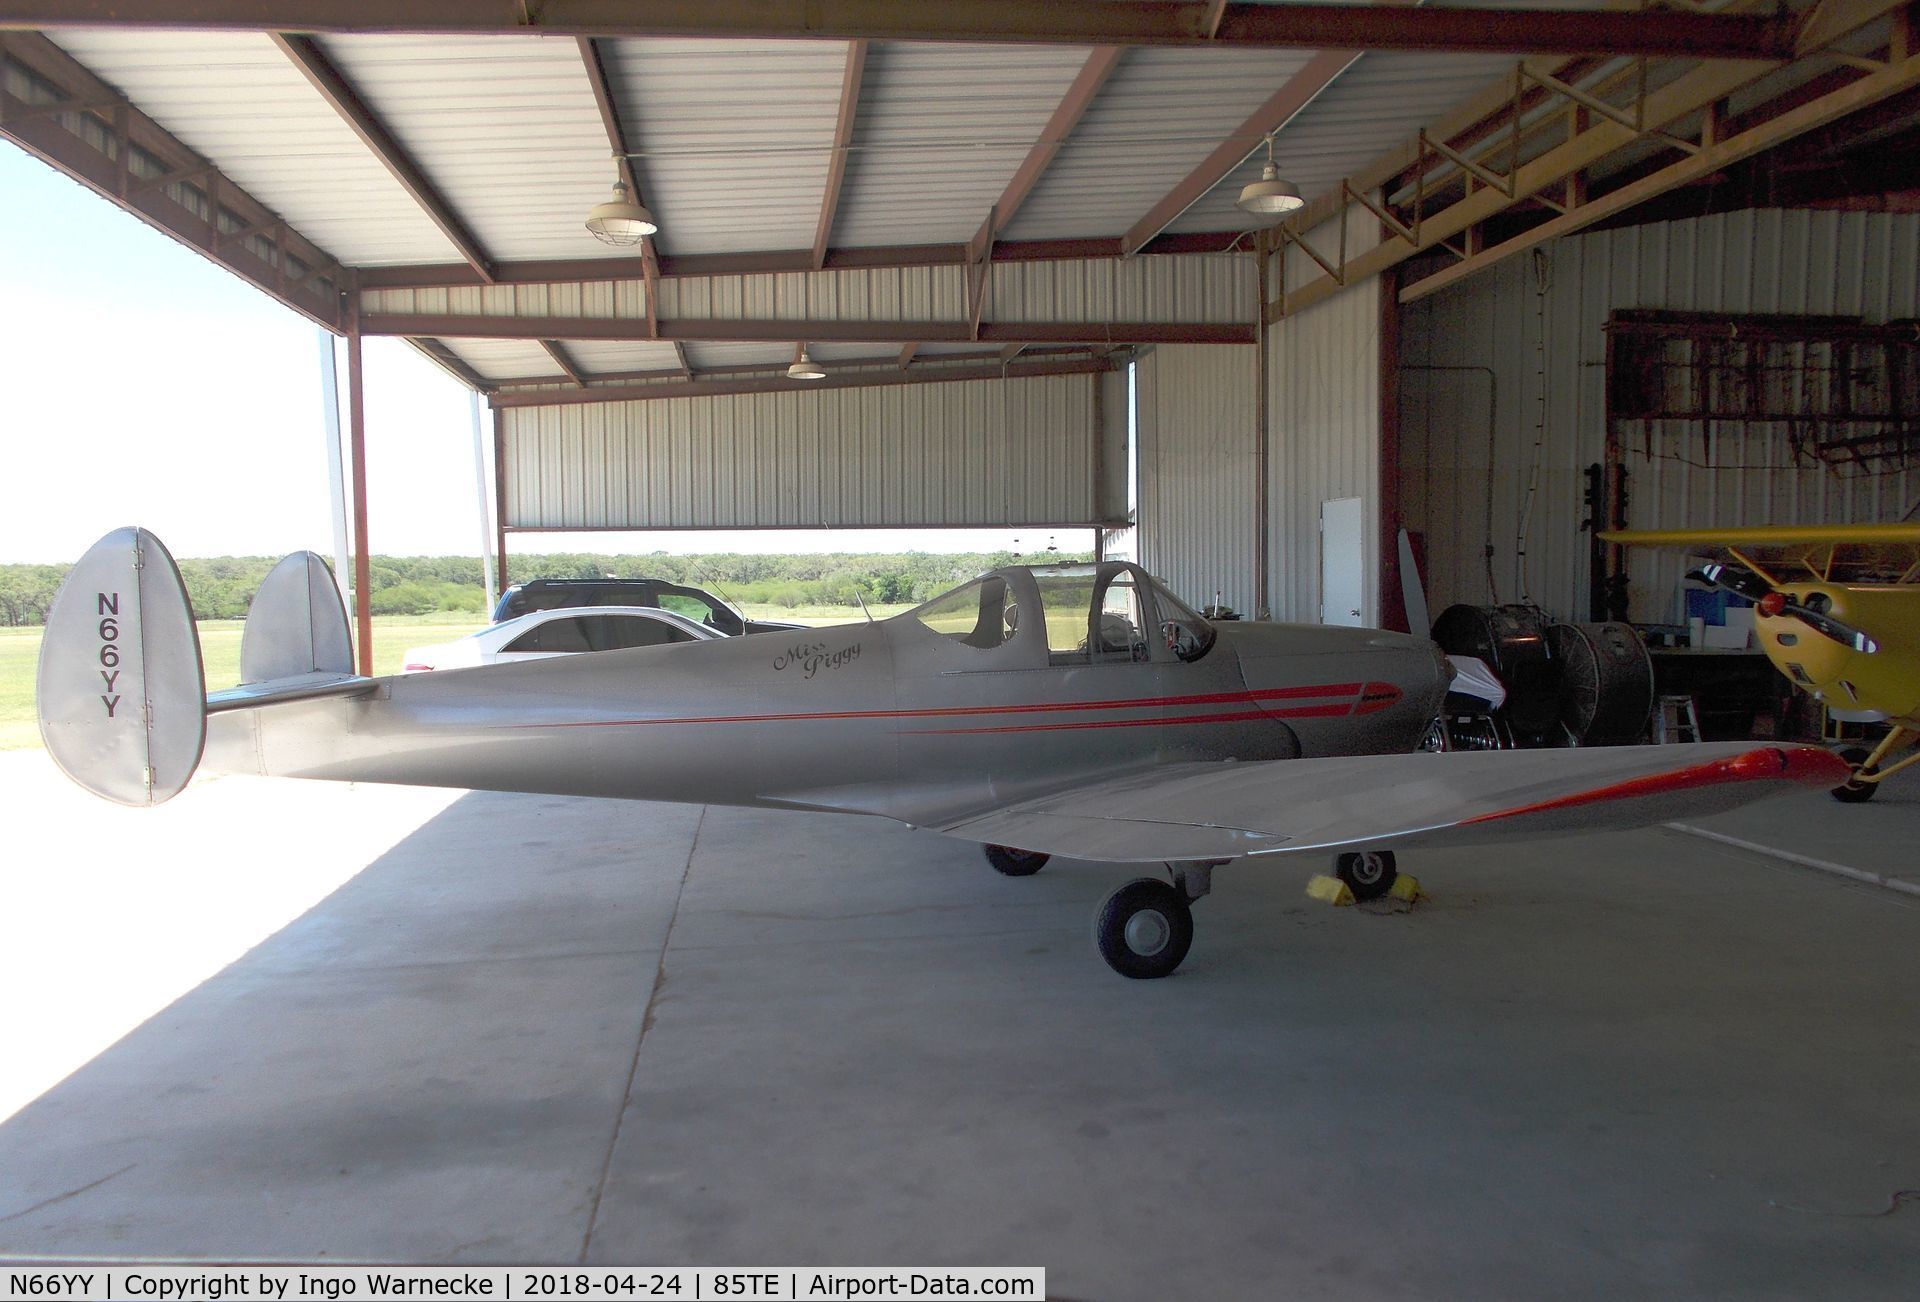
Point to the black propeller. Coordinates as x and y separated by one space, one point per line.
1737 579
1743 582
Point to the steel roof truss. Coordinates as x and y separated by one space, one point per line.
98 138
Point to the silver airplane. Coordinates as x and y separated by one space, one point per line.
1082 711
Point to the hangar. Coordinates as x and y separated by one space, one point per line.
1314 274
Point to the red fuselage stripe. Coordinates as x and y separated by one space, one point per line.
1371 697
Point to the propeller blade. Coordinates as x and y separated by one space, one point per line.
1737 579
1828 626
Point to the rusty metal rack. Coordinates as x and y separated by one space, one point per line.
1847 393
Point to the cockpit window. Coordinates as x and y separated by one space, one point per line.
1095 615
1185 633
1065 596
978 615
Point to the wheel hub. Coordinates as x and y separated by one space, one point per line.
1367 869
1148 932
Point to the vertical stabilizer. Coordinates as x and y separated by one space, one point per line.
120 692
296 624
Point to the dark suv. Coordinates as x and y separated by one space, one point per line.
701 607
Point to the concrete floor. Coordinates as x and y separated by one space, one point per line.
549 1030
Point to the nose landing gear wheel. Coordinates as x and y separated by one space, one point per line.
1015 863
1369 874
1144 929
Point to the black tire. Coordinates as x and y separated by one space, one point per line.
1015 863
1369 874
1144 929
1855 792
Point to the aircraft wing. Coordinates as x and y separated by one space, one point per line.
1857 553
1235 810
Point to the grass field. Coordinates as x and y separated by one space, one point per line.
220 649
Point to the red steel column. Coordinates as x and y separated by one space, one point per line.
357 434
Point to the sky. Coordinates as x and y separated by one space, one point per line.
142 384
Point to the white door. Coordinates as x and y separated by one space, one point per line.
1341 577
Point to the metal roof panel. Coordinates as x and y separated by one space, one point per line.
734 136
505 127
1161 113
236 100
940 131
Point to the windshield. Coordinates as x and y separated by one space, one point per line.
1187 635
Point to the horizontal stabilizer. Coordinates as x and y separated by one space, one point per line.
294 687
120 691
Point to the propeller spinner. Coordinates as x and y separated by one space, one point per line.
1771 602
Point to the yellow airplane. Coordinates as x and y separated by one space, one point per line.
1837 610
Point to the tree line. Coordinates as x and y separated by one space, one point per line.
221 587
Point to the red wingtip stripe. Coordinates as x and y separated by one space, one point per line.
1807 765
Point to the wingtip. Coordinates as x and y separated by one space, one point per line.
1812 766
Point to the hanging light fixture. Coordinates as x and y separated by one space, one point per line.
1270 196
805 368
620 221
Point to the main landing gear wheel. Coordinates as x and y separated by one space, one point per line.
1369 874
1144 929
1854 791
1015 863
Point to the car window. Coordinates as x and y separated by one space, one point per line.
555 635
700 612
619 632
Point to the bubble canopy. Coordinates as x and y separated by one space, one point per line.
1105 613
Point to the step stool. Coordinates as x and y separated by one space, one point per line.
1678 716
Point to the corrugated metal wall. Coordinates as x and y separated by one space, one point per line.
1197 447
1196 432
1323 414
982 452
1525 396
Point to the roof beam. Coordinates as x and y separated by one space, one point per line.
1658 32
596 69
1066 116
737 369
1299 91
443 357
837 379
195 204
311 60
1111 333
563 360
842 140
445 275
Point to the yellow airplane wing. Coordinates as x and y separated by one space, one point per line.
1860 554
